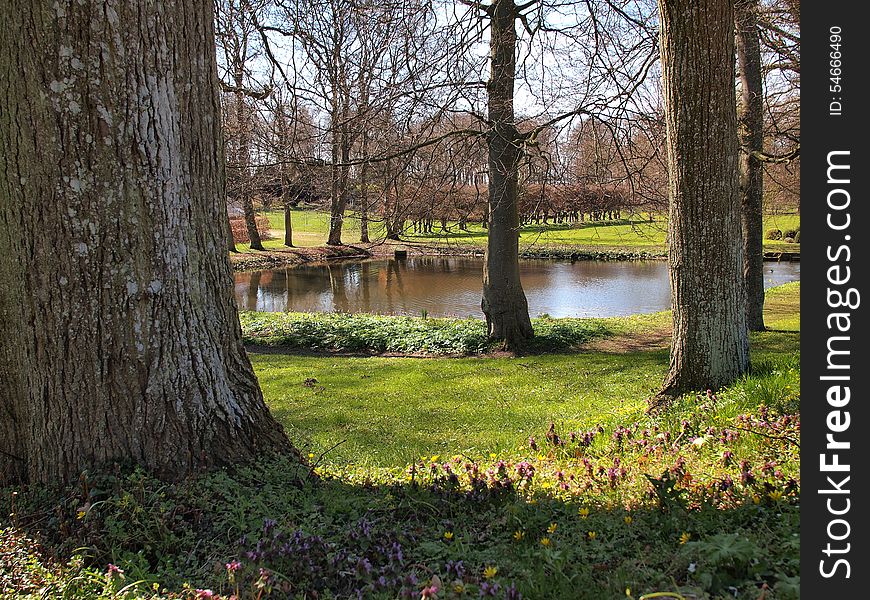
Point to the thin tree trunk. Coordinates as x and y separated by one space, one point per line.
122 340
288 224
243 160
710 345
504 302
364 193
751 120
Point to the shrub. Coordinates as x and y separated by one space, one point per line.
240 230
773 234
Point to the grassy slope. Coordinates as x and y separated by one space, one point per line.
310 229
389 411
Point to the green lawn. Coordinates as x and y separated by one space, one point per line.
389 411
310 228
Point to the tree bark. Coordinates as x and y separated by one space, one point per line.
243 159
710 345
121 336
504 302
288 224
750 116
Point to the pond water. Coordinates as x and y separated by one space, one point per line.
451 286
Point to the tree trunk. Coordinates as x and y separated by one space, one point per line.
710 345
750 116
364 192
288 225
504 302
121 336
339 186
243 159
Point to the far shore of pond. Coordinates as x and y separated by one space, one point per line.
284 257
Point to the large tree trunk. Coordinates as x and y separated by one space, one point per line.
243 159
710 345
751 120
121 336
504 302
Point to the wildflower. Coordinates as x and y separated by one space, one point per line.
519 535
545 542
512 593
201 594
233 566
448 535
584 512
628 592
756 498
458 588
591 535
552 528
429 592
435 457
114 571
490 571
80 515
311 455
488 589
627 519
492 455
685 537
775 495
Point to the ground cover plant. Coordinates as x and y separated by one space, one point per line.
568 488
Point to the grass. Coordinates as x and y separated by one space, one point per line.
310 228
390 411
452 484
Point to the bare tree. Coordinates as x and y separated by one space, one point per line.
751 121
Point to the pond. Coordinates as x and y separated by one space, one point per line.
451 286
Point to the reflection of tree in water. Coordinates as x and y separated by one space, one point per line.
365 275
338 287
253 290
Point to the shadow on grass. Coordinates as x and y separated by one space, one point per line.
295 535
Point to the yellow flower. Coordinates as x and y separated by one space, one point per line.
552 528
584 512
458 588
545 542
435 457
591 535
311 455
80 515
628 592
448 535
756 498
685 537
492 455
490 572
519 535
627 519
775 495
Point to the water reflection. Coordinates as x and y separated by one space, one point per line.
451 286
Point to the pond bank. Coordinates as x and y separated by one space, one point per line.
291 257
